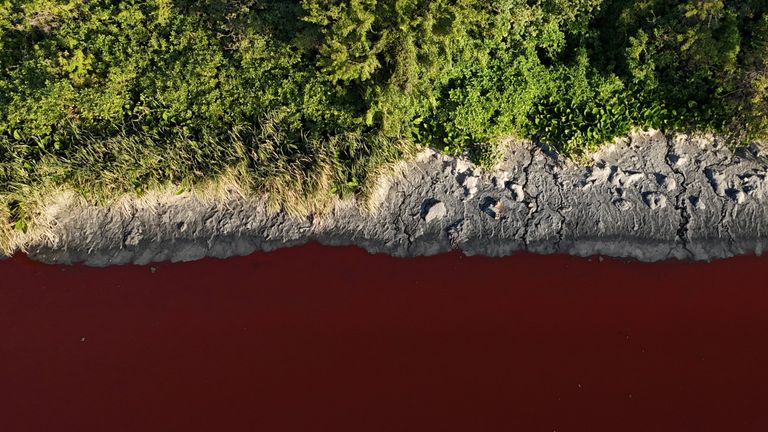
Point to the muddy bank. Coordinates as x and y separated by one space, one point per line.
649 197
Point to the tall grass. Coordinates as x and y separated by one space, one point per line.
295 174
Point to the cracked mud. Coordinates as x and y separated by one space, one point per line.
649 197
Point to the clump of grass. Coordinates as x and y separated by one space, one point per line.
295 174
488 155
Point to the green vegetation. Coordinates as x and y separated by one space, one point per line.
312 98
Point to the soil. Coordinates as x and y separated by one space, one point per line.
649 197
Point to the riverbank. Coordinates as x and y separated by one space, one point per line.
649 197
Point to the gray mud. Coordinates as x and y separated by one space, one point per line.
648 197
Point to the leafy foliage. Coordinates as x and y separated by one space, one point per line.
312 97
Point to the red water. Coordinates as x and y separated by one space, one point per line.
334 339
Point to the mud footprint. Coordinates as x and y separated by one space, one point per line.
655 200
492 207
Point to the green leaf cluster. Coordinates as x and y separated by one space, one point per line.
323 93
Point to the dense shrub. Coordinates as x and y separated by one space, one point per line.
115 96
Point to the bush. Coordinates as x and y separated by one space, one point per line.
327 91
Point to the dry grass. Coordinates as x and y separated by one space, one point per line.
300 176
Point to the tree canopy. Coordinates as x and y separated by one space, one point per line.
182 90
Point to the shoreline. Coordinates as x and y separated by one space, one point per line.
648 197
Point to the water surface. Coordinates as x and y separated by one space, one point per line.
334 339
